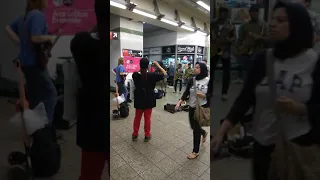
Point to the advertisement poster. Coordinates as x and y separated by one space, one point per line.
67 17
131 60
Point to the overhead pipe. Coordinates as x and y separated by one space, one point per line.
156 10
177 18
193 24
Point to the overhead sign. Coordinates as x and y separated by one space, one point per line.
114 35
186 49
169 50
200 50
156 50
132 53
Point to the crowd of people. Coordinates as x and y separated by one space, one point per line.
283 49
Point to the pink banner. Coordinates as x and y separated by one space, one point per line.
67 17
131 60
131 64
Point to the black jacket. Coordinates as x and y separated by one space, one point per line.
144 96
93 97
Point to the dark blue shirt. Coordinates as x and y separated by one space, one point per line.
35 26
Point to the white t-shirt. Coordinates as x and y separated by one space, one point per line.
202 87
294 80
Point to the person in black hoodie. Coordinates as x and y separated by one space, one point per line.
93 127
144 96
297 72
202 89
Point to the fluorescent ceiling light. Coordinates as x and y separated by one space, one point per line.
118 5
169 22
145 14
204 5
202 33
187 28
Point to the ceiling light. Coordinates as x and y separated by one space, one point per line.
187 28
145 14
204 5
201 33
169 22
118 5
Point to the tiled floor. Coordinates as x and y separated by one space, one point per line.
165 155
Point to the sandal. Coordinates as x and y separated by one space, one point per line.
193 155
204 138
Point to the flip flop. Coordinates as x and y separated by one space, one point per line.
204 139
193 155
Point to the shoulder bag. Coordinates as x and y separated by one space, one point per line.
202 114
290 161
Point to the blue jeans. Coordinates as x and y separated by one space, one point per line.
122 89
40 88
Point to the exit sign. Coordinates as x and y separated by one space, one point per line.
114 35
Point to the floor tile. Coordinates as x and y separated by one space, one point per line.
196 167
120 175
168 166
153 173
184 174
140 164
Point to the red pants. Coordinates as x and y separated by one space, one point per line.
147 122
92 165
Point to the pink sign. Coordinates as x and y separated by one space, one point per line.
67 17
131 60
131 64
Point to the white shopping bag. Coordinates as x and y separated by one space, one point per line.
34 119
121 99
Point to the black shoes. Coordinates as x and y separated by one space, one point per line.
147 139
134 138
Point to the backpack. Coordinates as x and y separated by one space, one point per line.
170 108
242 147
124 110
159 94
45 153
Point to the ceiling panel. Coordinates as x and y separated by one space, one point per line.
190 7
149 28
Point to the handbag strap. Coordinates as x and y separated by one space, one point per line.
273 91
195 90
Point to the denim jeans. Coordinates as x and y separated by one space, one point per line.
40 88
122 89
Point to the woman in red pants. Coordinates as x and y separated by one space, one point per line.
144 97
